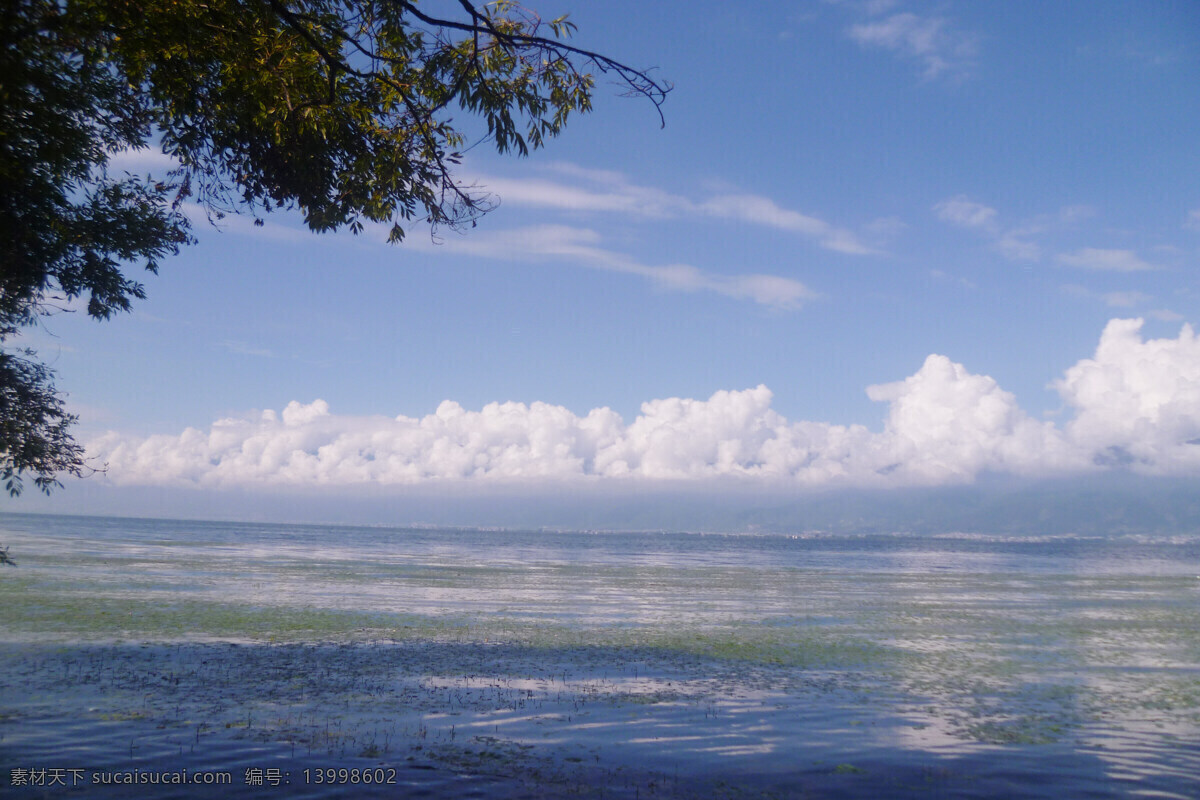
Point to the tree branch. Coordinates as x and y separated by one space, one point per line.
639 81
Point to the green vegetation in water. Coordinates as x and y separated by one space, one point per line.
1022 730
124 716
1026 666
52 611
68 615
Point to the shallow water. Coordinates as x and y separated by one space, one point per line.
511 664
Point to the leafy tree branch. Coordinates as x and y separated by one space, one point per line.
338 108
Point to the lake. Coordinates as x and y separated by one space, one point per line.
241 658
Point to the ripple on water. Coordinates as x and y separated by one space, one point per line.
542 664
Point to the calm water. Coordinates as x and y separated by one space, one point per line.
497 663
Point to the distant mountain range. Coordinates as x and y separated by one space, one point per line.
1108 503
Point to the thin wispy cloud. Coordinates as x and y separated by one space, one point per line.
244 349
623 197
1013 246
584 190
966 213
582 246
1025 240
764 211
940 275
941 50
1095 258
1013 243
1152 55
244 225
1127 299
1019 242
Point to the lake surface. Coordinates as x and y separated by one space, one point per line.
451 663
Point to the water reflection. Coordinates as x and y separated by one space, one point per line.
793 662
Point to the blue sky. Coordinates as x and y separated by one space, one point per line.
842 190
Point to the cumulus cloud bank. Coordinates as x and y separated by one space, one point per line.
1136 404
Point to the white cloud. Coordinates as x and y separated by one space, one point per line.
1076 213
244 349
1013 247
1136 403
141 162
879 6
614 195
1106 260
245 225
588 190
940 275
582 246
1020 242
946 423
591 190
966 213
1193 220
1125 299
885 227
764 211
931 41
1137 399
